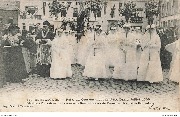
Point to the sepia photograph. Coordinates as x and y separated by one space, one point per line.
89 55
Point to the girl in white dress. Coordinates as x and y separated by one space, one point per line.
150 64
130 45
174 72
96 66
120 55
73 45
82 47
112 45
61 57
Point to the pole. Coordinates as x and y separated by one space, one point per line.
150 40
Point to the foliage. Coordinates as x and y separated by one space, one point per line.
128 9
151 10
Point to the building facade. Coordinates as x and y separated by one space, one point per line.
9 12
170 13
33 12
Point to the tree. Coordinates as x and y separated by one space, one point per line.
56 8
151 10
127 10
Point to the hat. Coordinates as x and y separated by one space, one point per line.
152 26
127 25
46 23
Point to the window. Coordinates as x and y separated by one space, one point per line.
75 12
63 12
162 13
99 14
168 9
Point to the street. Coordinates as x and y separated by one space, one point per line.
162 96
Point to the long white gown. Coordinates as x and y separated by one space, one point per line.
73 48
96 64
150 64
174 72
82 48
61 58
139 48
120 56
113 50
130 67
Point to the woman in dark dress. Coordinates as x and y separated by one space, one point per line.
2 75
15 69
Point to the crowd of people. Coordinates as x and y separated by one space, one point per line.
133 55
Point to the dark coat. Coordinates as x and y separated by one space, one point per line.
50 35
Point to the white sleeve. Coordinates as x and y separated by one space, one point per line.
170 47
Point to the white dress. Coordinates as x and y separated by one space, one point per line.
119 61
139 48
82 48
61 58
96 65
130 67
150 64
174 73
113 50
73 48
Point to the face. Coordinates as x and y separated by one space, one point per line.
72 33
98 32
15 31
45 27
150 30
59 33
138 30
126 29
113 31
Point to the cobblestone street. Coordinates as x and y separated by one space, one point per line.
163 95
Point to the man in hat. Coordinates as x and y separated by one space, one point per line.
150 65
43 38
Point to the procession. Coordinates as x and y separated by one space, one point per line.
133 53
